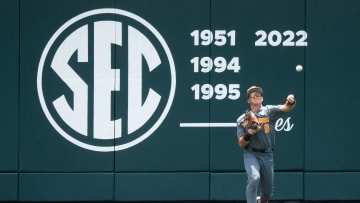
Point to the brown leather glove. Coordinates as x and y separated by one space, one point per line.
253 122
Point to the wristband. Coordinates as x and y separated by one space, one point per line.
247 137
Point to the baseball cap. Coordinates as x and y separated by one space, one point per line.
254 89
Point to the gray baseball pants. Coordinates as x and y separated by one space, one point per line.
260 170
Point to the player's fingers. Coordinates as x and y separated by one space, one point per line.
290 98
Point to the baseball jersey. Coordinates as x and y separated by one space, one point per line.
265 138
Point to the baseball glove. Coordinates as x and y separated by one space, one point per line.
253 122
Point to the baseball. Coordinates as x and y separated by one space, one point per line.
299 68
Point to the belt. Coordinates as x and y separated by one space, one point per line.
269 150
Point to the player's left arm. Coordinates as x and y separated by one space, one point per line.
289 103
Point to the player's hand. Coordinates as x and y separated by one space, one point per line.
251 131
290 99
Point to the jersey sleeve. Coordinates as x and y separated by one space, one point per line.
239 125
274 112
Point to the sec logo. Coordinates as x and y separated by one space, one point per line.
106 80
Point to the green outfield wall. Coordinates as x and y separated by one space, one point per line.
131 100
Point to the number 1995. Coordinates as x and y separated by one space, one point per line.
219 91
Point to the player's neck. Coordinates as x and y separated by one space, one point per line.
255 108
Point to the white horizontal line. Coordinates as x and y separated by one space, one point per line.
207 125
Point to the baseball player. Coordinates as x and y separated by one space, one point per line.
256 134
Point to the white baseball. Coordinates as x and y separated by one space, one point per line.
299 68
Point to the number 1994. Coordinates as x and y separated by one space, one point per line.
219 64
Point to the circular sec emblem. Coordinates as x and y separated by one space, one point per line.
106 80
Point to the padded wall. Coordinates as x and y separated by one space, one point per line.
119 100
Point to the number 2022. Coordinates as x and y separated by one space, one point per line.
287 38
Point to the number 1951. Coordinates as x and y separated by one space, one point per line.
217 37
